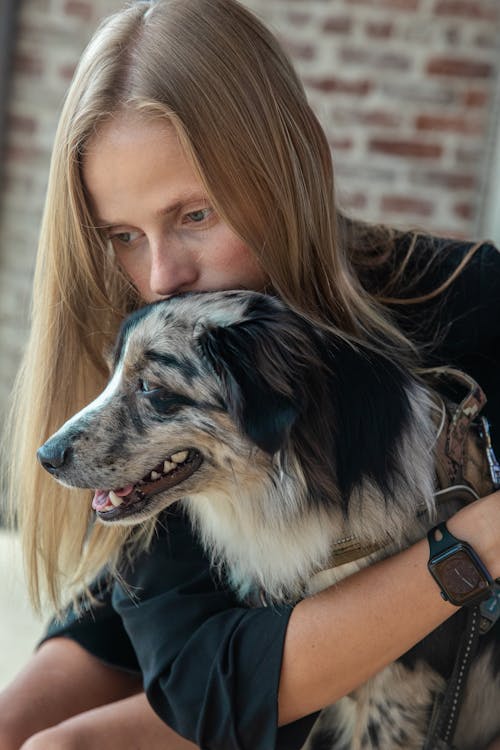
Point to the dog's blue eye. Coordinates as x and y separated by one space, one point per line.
165 402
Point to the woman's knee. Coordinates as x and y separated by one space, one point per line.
54 738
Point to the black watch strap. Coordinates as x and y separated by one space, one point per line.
441 545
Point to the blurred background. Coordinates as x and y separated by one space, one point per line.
408 92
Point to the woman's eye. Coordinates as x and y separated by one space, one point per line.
196 217
124 238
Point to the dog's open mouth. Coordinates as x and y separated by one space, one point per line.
127 500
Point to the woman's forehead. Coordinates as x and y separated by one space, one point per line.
137 162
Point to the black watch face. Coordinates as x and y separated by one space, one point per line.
460 577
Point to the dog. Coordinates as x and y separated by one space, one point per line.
300 457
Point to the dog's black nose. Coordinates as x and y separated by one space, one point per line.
53 455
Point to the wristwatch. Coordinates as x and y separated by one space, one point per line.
457 569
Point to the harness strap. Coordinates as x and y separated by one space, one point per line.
466 468
461 448
447 706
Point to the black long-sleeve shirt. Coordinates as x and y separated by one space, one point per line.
210 666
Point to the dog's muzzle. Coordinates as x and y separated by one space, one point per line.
54 455
57 454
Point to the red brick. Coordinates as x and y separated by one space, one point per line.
393 61
460 67
474 9
364 171
486 39
341 144
476 98
79 8
66 72
338 25
419 90
361 55
22 124
299 51
377 117
409 5
400 4
28 64
449 123
380 118
448 180
406 148
403 204
374 59
465 210
379 29
17 183
357 87
296 18
22 153
469 155
353 201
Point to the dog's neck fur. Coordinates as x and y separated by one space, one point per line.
271 534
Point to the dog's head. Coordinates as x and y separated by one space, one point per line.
205 387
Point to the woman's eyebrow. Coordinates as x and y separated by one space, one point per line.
101 223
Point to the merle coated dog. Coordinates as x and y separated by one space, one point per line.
287 446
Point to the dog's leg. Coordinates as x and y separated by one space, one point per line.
390 712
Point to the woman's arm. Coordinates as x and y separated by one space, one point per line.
373 617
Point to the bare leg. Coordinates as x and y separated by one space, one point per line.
130 724
60 680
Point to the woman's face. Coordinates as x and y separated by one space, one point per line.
148 200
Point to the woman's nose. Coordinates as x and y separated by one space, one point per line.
173 270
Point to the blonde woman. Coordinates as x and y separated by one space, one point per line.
187 158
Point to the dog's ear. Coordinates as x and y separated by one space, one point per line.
258 392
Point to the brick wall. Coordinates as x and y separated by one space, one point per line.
404 88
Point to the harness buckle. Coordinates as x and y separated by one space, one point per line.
493 464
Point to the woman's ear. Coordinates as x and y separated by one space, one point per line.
258 393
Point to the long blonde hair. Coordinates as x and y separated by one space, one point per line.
213 71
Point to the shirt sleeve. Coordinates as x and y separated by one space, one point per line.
211 667
98 629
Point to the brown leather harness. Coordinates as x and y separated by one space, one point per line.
466 468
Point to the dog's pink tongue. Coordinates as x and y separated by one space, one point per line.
100 499
124 490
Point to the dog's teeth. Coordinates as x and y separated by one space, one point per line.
179 458
155 475
115 499
168 466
